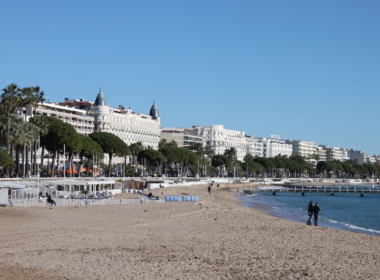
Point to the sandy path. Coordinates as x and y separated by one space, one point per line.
211 239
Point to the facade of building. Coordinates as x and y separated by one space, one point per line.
249 145
129 126
345 154
275 147
332 153
369 158
322 154
78 118
377 158
358 155
182 136
88 117
221 139
254 146
302 148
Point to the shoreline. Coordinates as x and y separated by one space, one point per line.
297 216
214 238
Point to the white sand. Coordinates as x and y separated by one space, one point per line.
214 238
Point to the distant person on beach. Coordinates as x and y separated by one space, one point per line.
209 189
316 210
50 201
310 212
237 191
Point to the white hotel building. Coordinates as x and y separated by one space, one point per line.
88 117
302 148
221 139
275 147
129 126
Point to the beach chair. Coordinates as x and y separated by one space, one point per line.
92 196
102 195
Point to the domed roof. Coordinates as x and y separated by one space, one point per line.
154 111
100 100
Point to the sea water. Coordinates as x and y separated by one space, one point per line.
346 211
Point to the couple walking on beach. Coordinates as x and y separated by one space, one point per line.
313 210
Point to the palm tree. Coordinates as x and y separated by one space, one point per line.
135 149
22 134
16 132
31 96
10 98
43 128
162 143
85 192
32 133
27 97
209 152
39 98
88 164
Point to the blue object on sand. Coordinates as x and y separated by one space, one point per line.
189 198
172 198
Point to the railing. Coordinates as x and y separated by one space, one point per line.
145 199
73 202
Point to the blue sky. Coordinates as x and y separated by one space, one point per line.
306 70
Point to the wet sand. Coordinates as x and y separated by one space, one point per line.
215 238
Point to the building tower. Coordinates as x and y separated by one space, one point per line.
100 100
154 111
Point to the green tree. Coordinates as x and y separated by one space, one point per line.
323 166
88 148
23 134
129 170
209 152
43 127
136 148
172 144
111 145
10 98
38 98
220 161
162 143
6 161
85 192
248 158
153 157
180 156
59 133
231 154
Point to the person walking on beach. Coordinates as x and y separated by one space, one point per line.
310 212
209 189
316 210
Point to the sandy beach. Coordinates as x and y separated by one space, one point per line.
214 238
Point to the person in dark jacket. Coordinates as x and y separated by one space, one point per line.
50 201
316 210
310 212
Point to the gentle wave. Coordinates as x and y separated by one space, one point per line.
354 227
288 207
